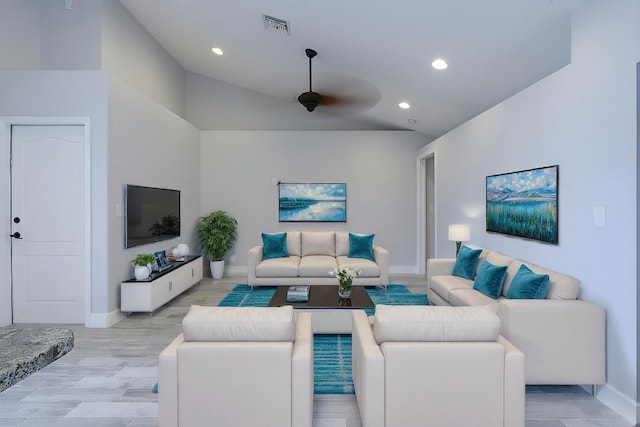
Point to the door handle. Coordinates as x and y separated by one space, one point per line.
15 235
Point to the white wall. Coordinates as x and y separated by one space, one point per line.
70 38
150 146
130 53
582 118
92 35
20 35
37 34
379 169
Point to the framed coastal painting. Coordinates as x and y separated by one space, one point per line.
524 204
312 202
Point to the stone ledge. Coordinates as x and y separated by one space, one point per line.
24 351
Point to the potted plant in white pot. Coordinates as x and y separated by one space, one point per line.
142 265
218 232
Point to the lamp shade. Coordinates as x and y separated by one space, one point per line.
459 232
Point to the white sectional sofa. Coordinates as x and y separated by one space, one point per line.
562 337
311 255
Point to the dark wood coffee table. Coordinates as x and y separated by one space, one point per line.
329 313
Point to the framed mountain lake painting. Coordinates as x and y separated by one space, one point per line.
524 204
312 202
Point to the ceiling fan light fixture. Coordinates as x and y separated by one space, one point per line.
310 100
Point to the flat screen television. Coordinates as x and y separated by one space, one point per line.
151 215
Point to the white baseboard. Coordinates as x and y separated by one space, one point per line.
236 270
104 320
619 402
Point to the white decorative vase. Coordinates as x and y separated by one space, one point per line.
217 269
183 249
141 272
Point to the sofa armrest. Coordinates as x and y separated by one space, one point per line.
254 258
563 340
168 384
302 373
381 256
438 267
514 390
367 371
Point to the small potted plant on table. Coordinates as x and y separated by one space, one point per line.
142 265
218 232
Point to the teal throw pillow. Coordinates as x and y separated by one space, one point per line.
361 246
490 279
274 245
466 262
528 285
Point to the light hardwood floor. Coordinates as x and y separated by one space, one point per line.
106 379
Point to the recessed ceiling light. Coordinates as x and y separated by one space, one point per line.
217 51
439 64
412 121
404 105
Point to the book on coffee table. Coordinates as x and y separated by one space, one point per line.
299 293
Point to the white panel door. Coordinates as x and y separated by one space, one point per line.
47 210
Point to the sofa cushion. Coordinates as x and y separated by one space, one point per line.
274 245
318 243
483 255
239 324
361 246
444 284
367 268
278 267
496 258
293 243
466 262
471 297
528 285
561 286
316 266
342 243
490 279
432 323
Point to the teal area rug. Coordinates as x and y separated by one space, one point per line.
331 353
243 296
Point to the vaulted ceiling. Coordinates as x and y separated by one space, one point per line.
372 54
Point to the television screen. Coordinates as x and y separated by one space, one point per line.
152 215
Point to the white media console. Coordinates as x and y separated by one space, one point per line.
149 294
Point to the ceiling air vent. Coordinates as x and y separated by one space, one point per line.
276 25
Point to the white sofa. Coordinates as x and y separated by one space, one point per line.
436 366
562 337
238 366
312 255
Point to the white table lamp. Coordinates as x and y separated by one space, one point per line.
459 233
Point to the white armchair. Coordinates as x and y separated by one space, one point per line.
437 366
238 366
